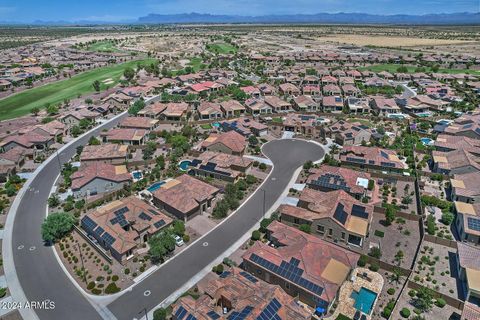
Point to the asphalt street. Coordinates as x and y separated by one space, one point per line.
287 155
38 271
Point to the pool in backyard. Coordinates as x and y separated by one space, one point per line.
216 124
184 164
137 175
155 186
426 141
364 300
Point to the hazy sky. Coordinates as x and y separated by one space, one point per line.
114 10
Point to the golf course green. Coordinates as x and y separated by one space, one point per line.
22 103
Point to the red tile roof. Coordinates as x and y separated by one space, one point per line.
99 170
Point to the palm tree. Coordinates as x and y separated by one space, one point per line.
396 275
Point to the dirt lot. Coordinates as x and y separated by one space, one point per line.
387 41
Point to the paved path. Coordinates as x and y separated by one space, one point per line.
287 156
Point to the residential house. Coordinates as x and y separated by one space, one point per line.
185 197
347 133
278 105
209 110
230 142
217 165
153 110
245 126
468 221
305 104
333 215
328 178
143 123
232 108
237 294
124 226
99 177
125 136
257 106
454 162
108 153
289 89
358 105
468 267
465 187
332 104
175 111
384 106
301 264
372 158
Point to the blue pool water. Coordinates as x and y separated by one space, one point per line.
184 165
137 175
364 300
424 114
156 186
426 141
216 124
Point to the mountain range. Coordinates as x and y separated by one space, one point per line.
460 18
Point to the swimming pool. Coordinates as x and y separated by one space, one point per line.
184 165
155 186
216 124
426 141
424 114
364 300
137 175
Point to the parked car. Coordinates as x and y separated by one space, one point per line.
178 240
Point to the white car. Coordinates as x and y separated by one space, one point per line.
178 241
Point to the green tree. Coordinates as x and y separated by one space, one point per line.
129 74
51 109
160 314
94 141
53 201
96 85
424 299
390 214
35 111
179 227
56 226
305 228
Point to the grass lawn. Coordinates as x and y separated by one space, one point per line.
197 64
392 68
20 104
342 317
222 48
206 126
277 120
103 46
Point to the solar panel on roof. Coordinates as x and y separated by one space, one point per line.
153 212
191 317
340 215
213 315
122 222
108 239
99 231
387 164
121 211
357 160
158 224
181 312
144 216
359 211
224 274
473 224
88 223
249 277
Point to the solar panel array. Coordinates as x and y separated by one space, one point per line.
153 212
144 216
159 224
99 231
270 311
384 154
473 224
359 211
213 315
120 217
183 314
357 160
331 181
88 223
387 164
249 277
289 271
340 215
235 315
109 240
224 274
